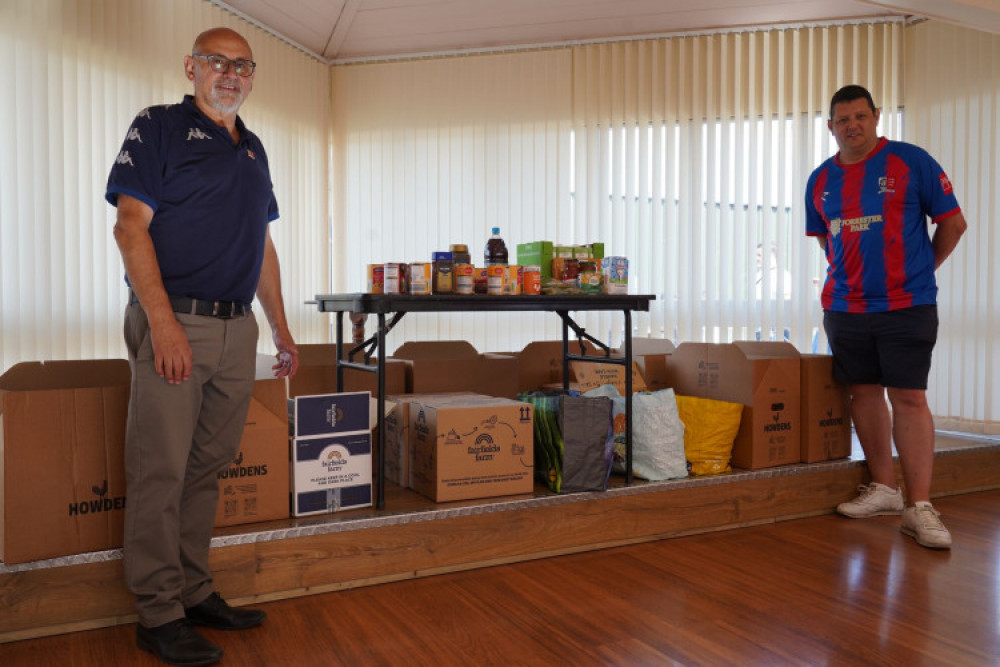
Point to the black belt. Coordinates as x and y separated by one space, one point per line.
224 310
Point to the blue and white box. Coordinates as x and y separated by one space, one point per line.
331 466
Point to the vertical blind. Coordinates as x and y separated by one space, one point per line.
434 152
76 73
691 159
953 110
684 154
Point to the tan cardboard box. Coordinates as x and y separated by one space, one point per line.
826 412
478 448
455 365
255 486
588 375
398 443
62 438
317 373
764 377
651 355
540 364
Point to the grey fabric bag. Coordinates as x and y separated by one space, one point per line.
588 441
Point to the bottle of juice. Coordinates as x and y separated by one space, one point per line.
496 249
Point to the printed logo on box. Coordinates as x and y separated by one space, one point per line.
237 470
331 413
99 504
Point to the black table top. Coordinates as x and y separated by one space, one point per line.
430 303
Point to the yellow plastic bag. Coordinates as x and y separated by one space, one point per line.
710 427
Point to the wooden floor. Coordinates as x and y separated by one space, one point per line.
819 590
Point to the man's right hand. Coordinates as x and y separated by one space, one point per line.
172 355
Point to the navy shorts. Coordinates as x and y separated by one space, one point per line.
892 349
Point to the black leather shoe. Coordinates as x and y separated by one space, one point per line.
214 612
177 643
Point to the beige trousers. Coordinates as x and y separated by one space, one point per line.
178 438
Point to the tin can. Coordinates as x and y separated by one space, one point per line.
479 280
512 279
532 280
376 278
496 275
394 278
420 277
465 281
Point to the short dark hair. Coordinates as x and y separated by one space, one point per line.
849 94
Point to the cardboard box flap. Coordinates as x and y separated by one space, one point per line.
643 346
430 350
269 404
45 375
317 372
753 349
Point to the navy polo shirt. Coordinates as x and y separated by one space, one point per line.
212 199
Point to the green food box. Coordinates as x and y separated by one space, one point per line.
537 253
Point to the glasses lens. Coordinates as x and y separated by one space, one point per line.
220 65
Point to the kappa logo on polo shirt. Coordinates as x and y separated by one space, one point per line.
124 158
133 135
144 114
196 133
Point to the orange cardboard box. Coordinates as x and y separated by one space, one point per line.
540 364
651 355
588 375
764 377
474 448
62 441
455 365
317 373
255 486
398 443
826 412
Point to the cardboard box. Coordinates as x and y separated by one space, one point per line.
398 443
62 441
455 365
588 375
255 486
332 473
317 373
477 448
651 355
826 411
537 253
331 452
764 377
540 364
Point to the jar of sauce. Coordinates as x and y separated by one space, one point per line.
460 253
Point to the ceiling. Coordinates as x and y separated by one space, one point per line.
346 30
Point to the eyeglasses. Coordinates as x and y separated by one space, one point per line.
220 65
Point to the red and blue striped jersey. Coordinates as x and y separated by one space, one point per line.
874 217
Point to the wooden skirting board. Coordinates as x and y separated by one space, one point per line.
295 558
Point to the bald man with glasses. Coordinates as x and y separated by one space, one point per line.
194 203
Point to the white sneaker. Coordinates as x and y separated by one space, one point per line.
873 500
923 523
